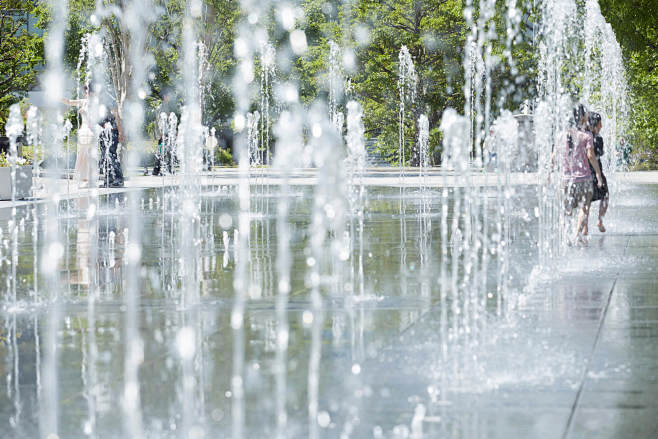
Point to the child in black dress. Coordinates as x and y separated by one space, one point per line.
600 194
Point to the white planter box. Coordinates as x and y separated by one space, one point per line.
23 182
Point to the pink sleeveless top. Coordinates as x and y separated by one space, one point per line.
575 163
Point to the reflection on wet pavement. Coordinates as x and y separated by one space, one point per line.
576 357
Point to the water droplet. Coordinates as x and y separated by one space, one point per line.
225 221
185 343
287 17
298 41
324 419
307 318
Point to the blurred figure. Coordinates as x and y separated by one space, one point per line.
577 149
209 150
165 133
109 143
161 151
623 153
83 161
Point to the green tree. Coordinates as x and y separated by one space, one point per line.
434 32
21 53
216 30
164 43
634 23
321 24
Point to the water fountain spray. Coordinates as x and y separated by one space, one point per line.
172 143
423 143
355 167
335 86
455 156
253 121
136 18
267 77
14 128
462 306
53 79
506 137
33 127
327 251
604 82
244 51
203 74
573 59
407 84
89 133
290 144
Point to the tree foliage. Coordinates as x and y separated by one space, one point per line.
434 32
370 32
374 31
21 52
164 44
634 23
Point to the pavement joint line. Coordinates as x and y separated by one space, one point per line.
574 407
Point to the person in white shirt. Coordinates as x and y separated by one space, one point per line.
83 162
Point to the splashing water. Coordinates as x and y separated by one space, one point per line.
14 128
335 86
328 257
267 80
355 167
423 143
407 84
253 121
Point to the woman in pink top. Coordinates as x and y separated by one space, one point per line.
578 150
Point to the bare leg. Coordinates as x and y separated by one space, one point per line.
586 227
583 218
603 208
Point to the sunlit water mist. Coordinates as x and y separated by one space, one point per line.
407 89
591 53
266 306
336 91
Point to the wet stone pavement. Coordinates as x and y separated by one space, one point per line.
576 357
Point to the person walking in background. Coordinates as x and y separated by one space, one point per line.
577 149
165 134
623 153
210 147
600 192
83 171
160 134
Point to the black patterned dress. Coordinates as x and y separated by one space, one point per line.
599 194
